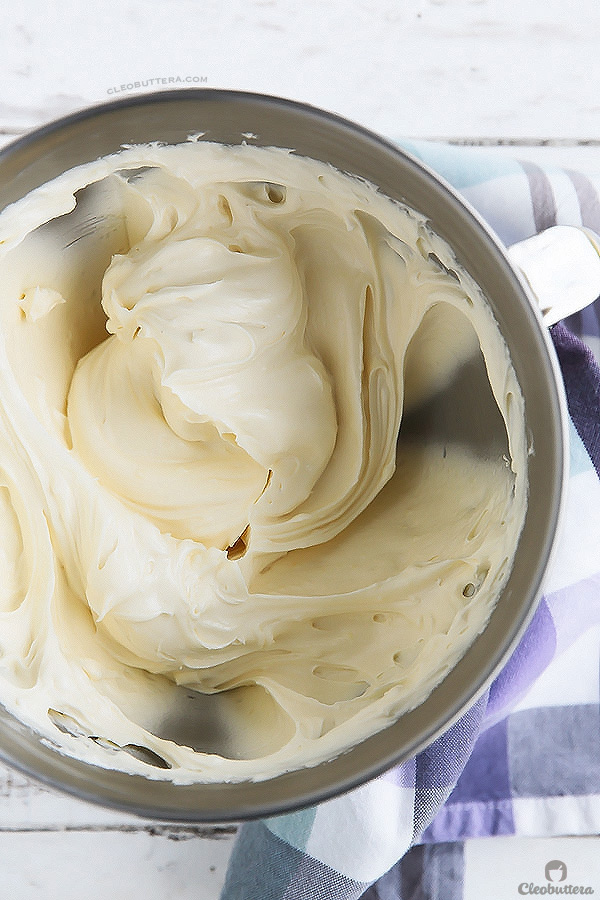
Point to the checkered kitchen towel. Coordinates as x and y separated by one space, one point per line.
525 759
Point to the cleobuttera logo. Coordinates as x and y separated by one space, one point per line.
556 874
556 870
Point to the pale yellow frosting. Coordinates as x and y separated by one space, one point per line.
205 356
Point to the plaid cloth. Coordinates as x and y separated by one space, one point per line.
525 759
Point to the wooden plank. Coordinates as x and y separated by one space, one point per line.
27 805
517 866
88 865
450 68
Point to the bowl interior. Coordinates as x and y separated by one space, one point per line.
231 117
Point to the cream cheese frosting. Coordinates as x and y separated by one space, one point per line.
223 558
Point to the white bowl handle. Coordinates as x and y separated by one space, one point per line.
562 267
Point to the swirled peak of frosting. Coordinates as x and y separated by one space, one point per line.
213 505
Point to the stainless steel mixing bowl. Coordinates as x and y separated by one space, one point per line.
232 117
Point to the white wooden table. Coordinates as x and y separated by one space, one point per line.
504 73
